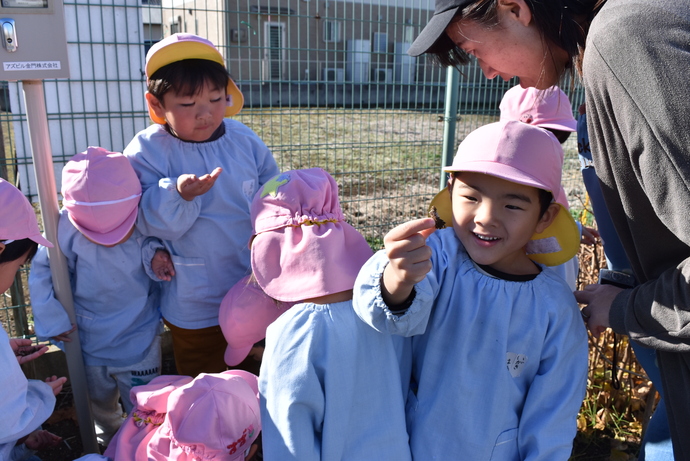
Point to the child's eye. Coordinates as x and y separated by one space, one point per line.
187 104
469 198
513 207
218 100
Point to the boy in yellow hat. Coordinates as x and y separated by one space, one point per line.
199 172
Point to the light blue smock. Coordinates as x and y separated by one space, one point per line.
208 236
500 366
115 301
331 388
24 404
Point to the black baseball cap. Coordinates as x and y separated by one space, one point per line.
444 11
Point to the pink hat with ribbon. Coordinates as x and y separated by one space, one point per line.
101 194
215 416
549 108
150 405
245 313
17 216
302 246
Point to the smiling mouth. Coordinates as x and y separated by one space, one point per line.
486 238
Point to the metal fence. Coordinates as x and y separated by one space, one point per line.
326 84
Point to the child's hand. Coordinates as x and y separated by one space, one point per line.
24 351
589 236
56 383
162 265
410 259
40 440
65 336
189 186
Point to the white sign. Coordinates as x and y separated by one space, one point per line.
31 65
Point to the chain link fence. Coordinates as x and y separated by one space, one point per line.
326 83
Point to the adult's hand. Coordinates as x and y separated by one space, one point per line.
597 300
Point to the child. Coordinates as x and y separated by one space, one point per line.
549 109
115 301
499 347
25 404
149 406
330 385
178 160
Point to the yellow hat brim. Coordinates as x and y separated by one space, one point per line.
558 244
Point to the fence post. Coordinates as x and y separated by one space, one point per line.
450 120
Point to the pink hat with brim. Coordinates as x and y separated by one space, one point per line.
549 108
150 405
245 313
523 154
216 416
302 246
17 216
101 194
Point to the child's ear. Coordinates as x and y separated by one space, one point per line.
548 217
156 105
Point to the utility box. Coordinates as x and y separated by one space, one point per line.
34 45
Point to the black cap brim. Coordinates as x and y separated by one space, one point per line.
432 31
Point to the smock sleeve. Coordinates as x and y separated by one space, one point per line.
370 307
25 404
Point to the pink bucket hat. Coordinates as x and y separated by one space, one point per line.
216 416
150 406
245 313
17 216
548 108
178 47
101 194
302 246
523 154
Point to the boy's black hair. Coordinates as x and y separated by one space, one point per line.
545 197
187 77
561 135
17 249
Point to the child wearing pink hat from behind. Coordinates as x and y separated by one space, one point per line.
115 291
330 385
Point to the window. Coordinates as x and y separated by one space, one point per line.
331 31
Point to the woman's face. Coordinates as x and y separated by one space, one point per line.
513 48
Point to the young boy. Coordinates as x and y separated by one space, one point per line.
199 173
115 301
499 348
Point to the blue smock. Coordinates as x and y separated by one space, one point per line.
500 367
331 388
208 236
115 301
25 404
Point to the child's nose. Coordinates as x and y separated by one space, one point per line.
484 214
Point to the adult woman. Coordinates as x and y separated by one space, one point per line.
25 404
633 54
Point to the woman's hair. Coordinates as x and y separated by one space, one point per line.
561 22
18 248
545 197
188 77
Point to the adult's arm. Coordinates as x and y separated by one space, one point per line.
638 105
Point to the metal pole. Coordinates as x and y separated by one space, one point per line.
449 120
42 154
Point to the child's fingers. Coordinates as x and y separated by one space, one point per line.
424 226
